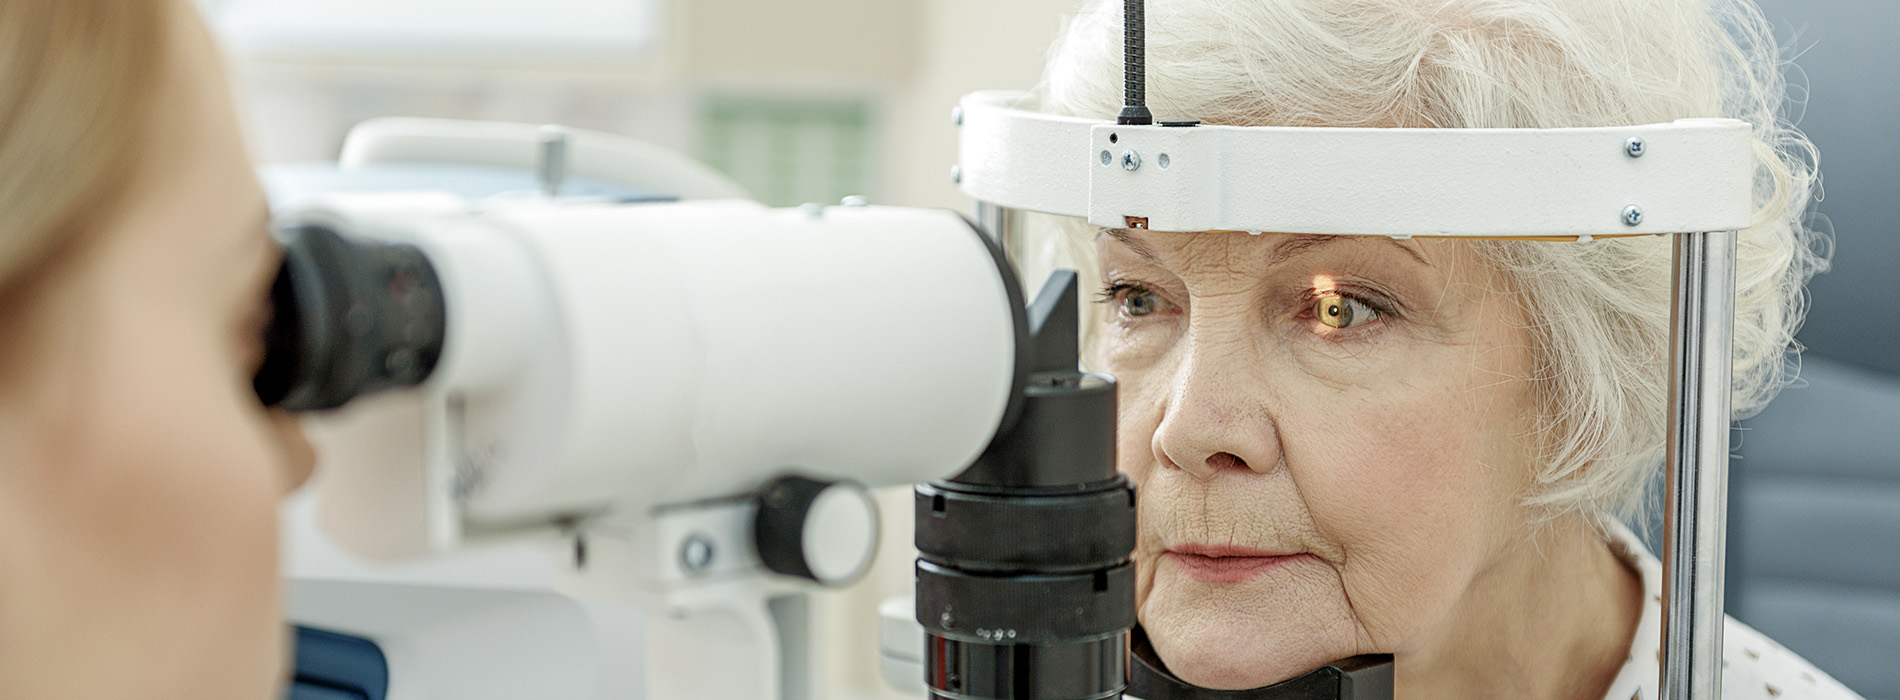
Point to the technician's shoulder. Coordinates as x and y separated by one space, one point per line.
1754 667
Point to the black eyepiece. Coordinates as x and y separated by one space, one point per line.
351 318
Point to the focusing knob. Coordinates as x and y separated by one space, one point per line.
825 531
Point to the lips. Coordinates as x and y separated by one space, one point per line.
1226 563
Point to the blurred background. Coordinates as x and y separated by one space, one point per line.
800 101
812 100
1814 494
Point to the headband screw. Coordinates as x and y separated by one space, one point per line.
1635 147
1131 161
1632 215
696 554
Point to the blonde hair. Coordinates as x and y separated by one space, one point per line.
77 82
1599 311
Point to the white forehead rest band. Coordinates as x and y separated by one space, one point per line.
1691 175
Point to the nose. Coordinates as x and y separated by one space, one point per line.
299 458
1216 420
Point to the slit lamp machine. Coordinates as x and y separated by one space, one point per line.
694 397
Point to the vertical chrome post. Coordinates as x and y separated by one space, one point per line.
995 220
550 163
1696 503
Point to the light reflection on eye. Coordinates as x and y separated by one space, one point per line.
1340 311
1140 302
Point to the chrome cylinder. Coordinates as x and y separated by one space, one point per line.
996 220
1697 460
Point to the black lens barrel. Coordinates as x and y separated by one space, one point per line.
1086 670
351 317
1025 589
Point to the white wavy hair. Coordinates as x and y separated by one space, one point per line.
1600 311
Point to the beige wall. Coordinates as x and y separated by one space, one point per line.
920 54
756 41
964 46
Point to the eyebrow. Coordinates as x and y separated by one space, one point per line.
1291 248
1300 244
1140 247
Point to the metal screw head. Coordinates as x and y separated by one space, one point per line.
1162 160
696 554
1108 158
1131 161
1632 215
1635 147
956 174
956 115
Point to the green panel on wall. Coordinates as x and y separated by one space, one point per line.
789 151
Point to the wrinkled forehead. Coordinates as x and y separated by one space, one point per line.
1270 249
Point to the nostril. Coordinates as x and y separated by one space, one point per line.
1225 460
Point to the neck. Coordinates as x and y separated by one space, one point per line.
1551 620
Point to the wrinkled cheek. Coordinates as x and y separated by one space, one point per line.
1144 579
1139 411
1411 544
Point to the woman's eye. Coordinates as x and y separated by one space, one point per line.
1140 302
1134 300
1340 311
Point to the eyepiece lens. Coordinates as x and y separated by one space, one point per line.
351 317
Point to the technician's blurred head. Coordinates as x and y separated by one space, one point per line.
138 473
1432 427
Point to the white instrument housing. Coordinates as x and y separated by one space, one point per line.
606 358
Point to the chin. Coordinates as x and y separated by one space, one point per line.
1231 666
1221 674
1228 639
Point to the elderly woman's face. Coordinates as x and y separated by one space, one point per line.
1330 436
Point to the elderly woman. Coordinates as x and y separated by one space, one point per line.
1348 445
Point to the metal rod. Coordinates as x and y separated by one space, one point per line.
1134 64
550 165
995 220
1695 522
